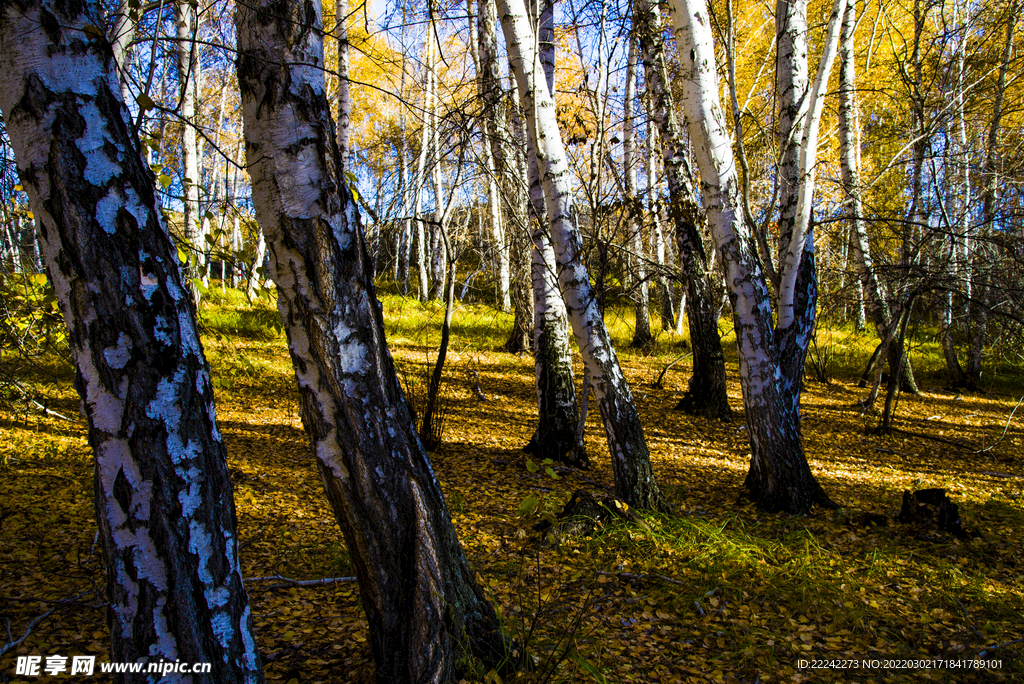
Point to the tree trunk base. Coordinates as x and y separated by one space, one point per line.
561 448
790 488
704 405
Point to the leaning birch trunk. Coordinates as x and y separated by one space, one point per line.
706 394
779 477
849 156
634 478
163 497
427 616
557 436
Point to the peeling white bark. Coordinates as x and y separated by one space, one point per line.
163 494
426 614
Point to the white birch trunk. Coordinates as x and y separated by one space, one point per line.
706 393
428 619
634 479
163 493
343 94
779 477
796 239
188 87
420 178
483 25
642 336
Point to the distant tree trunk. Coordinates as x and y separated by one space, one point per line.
188 89
779 477
877 307
642 336
634 478
661 256
403 231
706 395
122 33
420 179
438 253
343 95
483 25
519 245
162 490
508 183
958 171
427 616
984 254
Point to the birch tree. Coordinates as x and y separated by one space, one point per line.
163 497
634 478
779 477
642 336
427 616
982 291
706 394
556 436
496 155
187 52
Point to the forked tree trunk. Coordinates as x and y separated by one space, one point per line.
800 108
706 394
634 478
163 494
428 619
779 477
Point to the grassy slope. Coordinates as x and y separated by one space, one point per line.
719 592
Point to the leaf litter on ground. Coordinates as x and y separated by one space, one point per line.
717 591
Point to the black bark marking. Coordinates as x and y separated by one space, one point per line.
123 492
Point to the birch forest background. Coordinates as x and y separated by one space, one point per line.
512 340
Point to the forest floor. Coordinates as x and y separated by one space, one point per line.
717 591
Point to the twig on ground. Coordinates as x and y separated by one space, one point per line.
32 625
289 582
934 438
1005 428
996 647
641 577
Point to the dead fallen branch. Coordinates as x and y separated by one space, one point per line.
286 582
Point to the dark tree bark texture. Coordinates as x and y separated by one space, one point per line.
427 616
163 494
